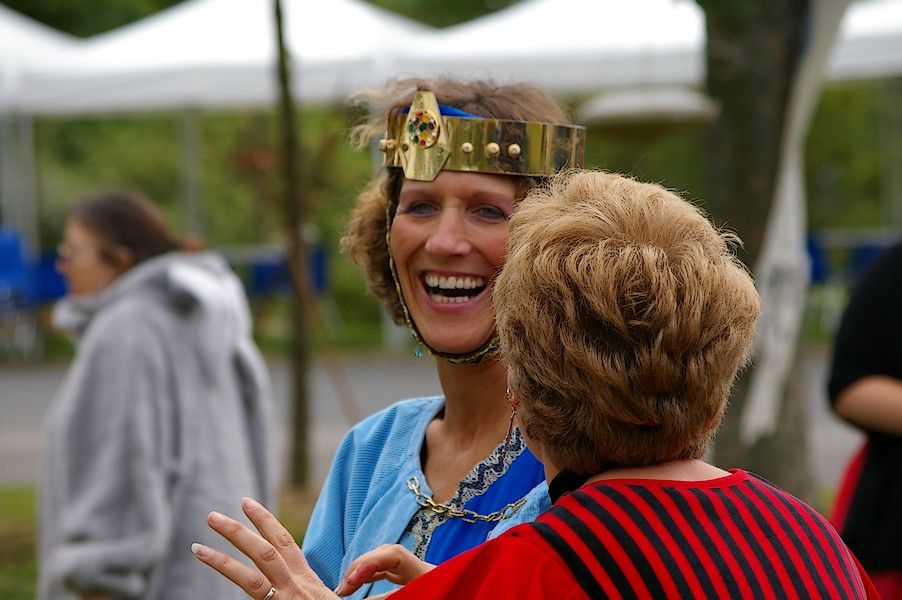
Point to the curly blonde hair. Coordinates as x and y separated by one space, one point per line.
365 239
624 317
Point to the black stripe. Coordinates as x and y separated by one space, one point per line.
817 543
710 513
599 550
840 553
580 571
797 544
792 508
753 542
660 548
692 518
670 524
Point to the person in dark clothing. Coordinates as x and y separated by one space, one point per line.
865 389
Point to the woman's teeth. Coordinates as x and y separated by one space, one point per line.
453 289
466 282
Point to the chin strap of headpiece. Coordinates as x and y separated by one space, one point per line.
429 138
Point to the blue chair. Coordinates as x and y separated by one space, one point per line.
270 275
15 283
820 267
18 325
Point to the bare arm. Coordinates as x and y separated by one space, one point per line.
873 403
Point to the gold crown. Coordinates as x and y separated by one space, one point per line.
423 142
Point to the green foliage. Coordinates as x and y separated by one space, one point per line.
17 543
238 159
442 13
669 155
844 152
238 165
87 17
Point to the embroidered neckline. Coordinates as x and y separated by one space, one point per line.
477 482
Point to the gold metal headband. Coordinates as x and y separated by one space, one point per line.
424 142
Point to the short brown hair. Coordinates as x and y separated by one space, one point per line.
365 238
624 317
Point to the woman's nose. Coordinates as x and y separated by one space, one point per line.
450 237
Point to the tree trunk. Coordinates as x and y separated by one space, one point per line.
753 53
293 208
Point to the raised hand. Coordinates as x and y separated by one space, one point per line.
283 572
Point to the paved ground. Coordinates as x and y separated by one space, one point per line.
376 382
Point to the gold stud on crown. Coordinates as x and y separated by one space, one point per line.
492 149
513 150
466 148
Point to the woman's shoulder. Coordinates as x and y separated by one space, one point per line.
404 418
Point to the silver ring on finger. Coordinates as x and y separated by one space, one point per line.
269 595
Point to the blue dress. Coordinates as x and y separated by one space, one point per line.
367 501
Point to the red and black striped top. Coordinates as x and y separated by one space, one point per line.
733 537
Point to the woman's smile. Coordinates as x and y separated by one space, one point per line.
453 289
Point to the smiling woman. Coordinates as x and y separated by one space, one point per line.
437 475
447 240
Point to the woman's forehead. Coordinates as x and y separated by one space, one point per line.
459 180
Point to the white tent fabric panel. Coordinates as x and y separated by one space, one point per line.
221 53
592 45
26 45
869 44
574 45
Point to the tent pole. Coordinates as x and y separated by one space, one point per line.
28 197
891 129
7 173
191 172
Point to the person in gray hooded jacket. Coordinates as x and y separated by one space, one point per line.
164 415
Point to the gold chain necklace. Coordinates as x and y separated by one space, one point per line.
467 515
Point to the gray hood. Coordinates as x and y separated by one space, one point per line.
198 285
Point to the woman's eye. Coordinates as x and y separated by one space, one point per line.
491 212
417 208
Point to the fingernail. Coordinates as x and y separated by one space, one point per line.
200 550
250 502
215 517
339 590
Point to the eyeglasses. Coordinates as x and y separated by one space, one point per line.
66 252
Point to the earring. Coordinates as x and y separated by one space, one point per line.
510 427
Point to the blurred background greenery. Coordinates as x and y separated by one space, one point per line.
237 159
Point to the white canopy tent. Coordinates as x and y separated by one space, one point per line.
869 42
574 46
25 45
611 46
221 53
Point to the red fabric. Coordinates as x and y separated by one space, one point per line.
848 485
888 584
515 566
737 536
